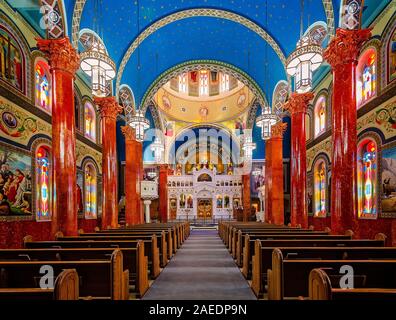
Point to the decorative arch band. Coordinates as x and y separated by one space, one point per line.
211 65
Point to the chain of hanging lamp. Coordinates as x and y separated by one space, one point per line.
138 121
267 118
307 58
95 61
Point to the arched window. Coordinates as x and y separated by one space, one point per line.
367 179
392 56
320 116
90 121
90 192
204 83
12 60
183 83
366 77
43 184
224 83
43 86
320 189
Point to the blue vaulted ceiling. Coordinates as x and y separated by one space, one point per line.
200 37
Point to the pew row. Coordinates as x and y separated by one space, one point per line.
98 279
134 260
66 287
149 247
289 278
324 285
262 259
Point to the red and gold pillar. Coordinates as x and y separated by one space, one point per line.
163 192
132 177
342 55
109 109
297 106
64 62
139 151
274 175
246 197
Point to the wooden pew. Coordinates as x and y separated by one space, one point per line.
319 241
322 286
166 239
66 287
150 250
289 278
239 244
98 279
155 238
134 260
262 259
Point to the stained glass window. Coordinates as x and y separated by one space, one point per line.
90 192
367 179
224 83
43 86
43 184
320 189
320 116
204 83
90 122
366 77
183 83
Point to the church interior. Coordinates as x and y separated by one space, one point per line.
254 160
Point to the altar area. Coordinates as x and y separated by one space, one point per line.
204 195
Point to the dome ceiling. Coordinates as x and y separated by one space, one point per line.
215 109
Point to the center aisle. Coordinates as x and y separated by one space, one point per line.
202 269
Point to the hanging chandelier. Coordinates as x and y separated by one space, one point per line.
248 147
307 57
265 121
157 147
140 124
98 65
303 62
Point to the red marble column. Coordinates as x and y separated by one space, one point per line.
246 197
140 206
132 178
342 55
274 175
297 106
109 109
163 192
64 62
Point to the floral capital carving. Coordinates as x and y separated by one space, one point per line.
129 133
278 130
298 102
60 54
108 107
344 48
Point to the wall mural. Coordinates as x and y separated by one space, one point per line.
19 125
257 178
388 200
11 60
383 118
15 182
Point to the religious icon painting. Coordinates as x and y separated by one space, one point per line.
241 100
9 120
